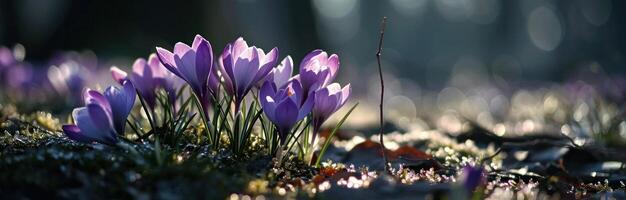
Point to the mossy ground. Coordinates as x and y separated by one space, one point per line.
38 161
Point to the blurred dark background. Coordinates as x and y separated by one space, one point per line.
427 41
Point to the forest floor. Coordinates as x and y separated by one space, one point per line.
37 161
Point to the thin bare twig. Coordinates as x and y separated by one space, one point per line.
382 91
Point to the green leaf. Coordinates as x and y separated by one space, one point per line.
332 134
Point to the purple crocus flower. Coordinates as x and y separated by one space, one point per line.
192 64
327 101
104 115
282 105
317 70
147 76
243 67
472 177
68 79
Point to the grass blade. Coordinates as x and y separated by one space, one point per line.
332 134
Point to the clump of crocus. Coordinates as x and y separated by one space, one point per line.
243 66
104 116
286 100
290 103
192 64
285 106
148 76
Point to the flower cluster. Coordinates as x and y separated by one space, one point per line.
62 78
287 100
289 108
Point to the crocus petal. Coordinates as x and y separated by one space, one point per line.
325 103
270 58
96 132
162 77
129 92
297 92
99 117
121 104
94 97
333 66
155 66
181 49
197 40
281 74
267 62
141 69
306 107
214 81
74 133
225 65
226 61
313 79
239 46
266 95
286 116
118 75
345 93
204 59
307 58
85 124
245 70
186 64
167 59
143 78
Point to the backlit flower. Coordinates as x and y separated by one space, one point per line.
243 66
282 105
147 77
327 101
104 115
192 64
317 70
